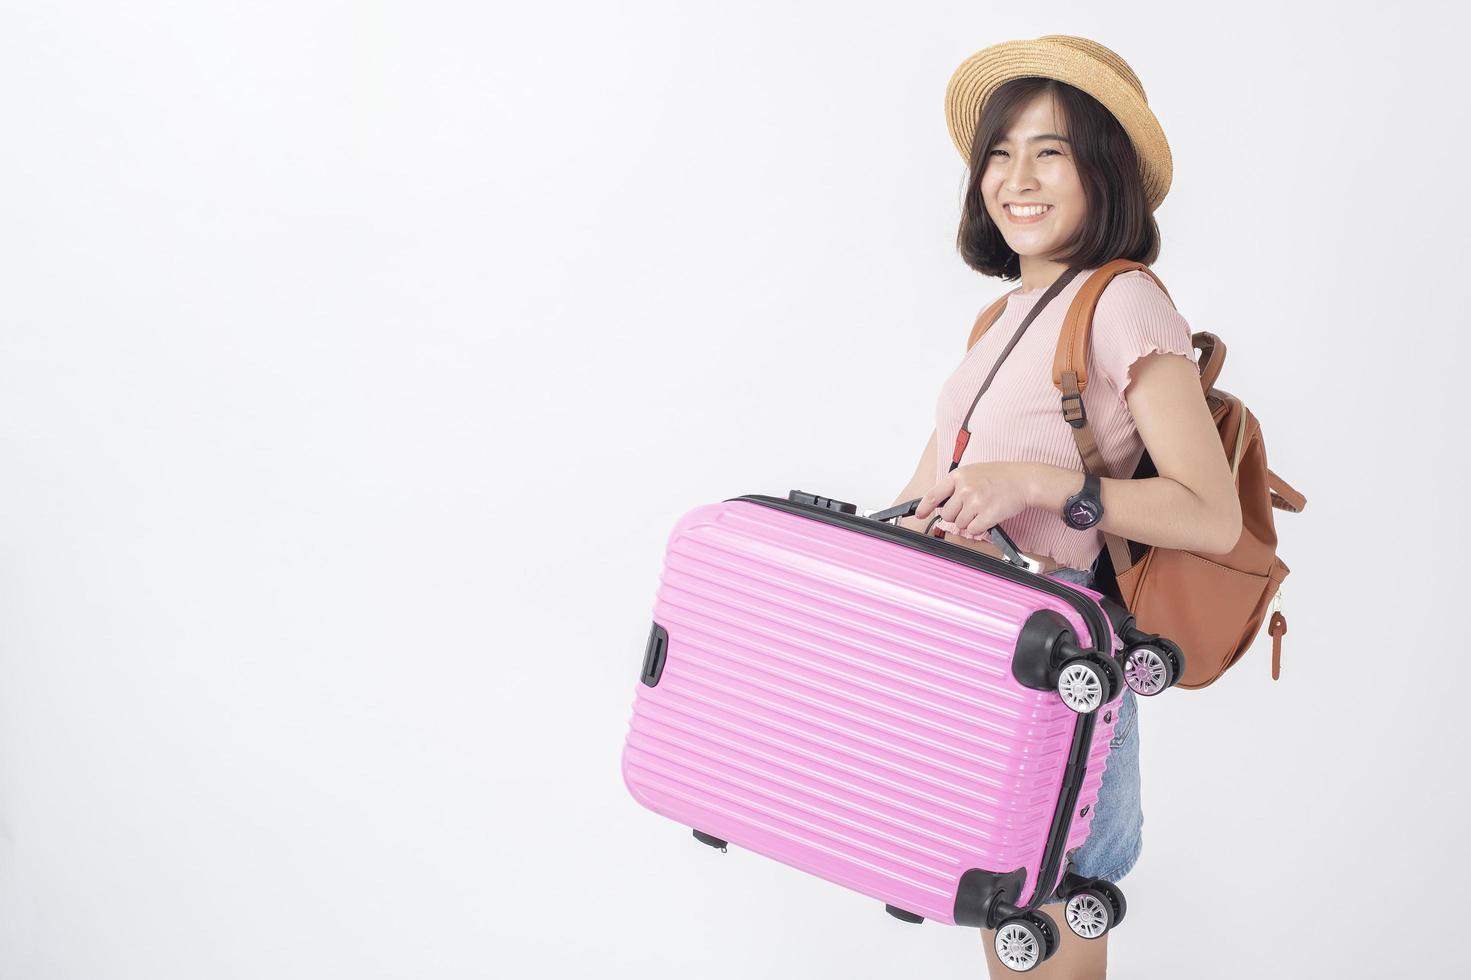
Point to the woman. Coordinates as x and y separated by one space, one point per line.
1067 165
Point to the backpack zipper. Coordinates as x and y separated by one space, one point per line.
1276 629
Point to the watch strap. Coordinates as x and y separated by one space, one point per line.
1091 490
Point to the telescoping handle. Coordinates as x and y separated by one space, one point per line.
999 537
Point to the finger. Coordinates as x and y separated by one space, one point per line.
971 507
952 508
980 525
933 496
980 522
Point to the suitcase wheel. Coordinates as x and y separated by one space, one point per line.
1050 931
1021 943
1115 897
1115 672
1150 668
1084 685
1089 913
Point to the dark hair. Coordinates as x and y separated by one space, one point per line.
1119 223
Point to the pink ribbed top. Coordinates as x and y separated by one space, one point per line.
1019 419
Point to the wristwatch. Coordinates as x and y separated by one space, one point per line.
1084 508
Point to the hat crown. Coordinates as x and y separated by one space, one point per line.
1094 50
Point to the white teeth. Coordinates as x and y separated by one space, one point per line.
1027 212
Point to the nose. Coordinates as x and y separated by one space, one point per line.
1021 176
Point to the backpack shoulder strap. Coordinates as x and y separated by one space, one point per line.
1284 497
1070 376
988 316
1077 325
1212 357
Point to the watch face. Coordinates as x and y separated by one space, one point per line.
1082 513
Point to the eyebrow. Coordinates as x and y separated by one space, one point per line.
1044 136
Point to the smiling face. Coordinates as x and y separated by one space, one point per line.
1033 165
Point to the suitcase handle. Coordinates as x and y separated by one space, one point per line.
999 537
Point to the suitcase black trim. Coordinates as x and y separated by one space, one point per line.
979 902
654 653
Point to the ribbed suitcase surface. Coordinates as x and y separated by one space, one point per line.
843 702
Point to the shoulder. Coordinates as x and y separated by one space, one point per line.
1132 291
1133 319
1134 306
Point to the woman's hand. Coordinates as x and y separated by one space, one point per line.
978 496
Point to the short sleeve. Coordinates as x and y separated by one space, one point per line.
1133 319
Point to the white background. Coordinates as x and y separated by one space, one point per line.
358 357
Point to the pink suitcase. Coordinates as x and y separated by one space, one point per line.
885 710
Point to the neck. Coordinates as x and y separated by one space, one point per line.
1038 273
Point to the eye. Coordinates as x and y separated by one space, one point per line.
1048 150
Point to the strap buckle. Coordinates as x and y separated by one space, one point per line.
1077 417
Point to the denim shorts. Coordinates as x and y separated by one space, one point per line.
1116 835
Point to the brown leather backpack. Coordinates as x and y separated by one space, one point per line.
1211 605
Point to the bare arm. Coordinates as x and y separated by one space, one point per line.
923 479
1192 504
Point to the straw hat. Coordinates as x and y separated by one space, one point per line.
1079 62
